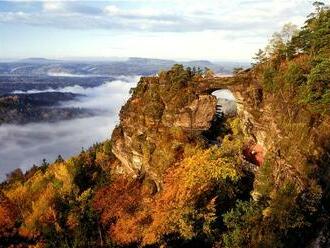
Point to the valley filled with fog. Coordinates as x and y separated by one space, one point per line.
25 145
56 107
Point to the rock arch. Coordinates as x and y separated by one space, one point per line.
247 97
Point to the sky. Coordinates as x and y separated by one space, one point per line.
217 30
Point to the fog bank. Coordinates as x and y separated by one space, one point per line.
25 145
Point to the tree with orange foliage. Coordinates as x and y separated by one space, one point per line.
122 209
9 216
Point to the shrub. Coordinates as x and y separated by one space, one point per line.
268 79
316 92
295 75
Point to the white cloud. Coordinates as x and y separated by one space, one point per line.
183 17
53 6
162 28
111 10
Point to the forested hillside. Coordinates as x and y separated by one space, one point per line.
174 174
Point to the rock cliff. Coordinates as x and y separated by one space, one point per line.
156 121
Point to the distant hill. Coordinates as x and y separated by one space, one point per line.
38 107
38 60
131 66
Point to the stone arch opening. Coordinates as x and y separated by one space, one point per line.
226 108
226 103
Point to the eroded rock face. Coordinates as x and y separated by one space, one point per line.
198 115
247 102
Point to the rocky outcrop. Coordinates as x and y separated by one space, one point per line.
157 122
198 114
152 119
249 103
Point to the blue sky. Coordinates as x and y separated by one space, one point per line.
172 29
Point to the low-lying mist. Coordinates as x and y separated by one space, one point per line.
21 146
